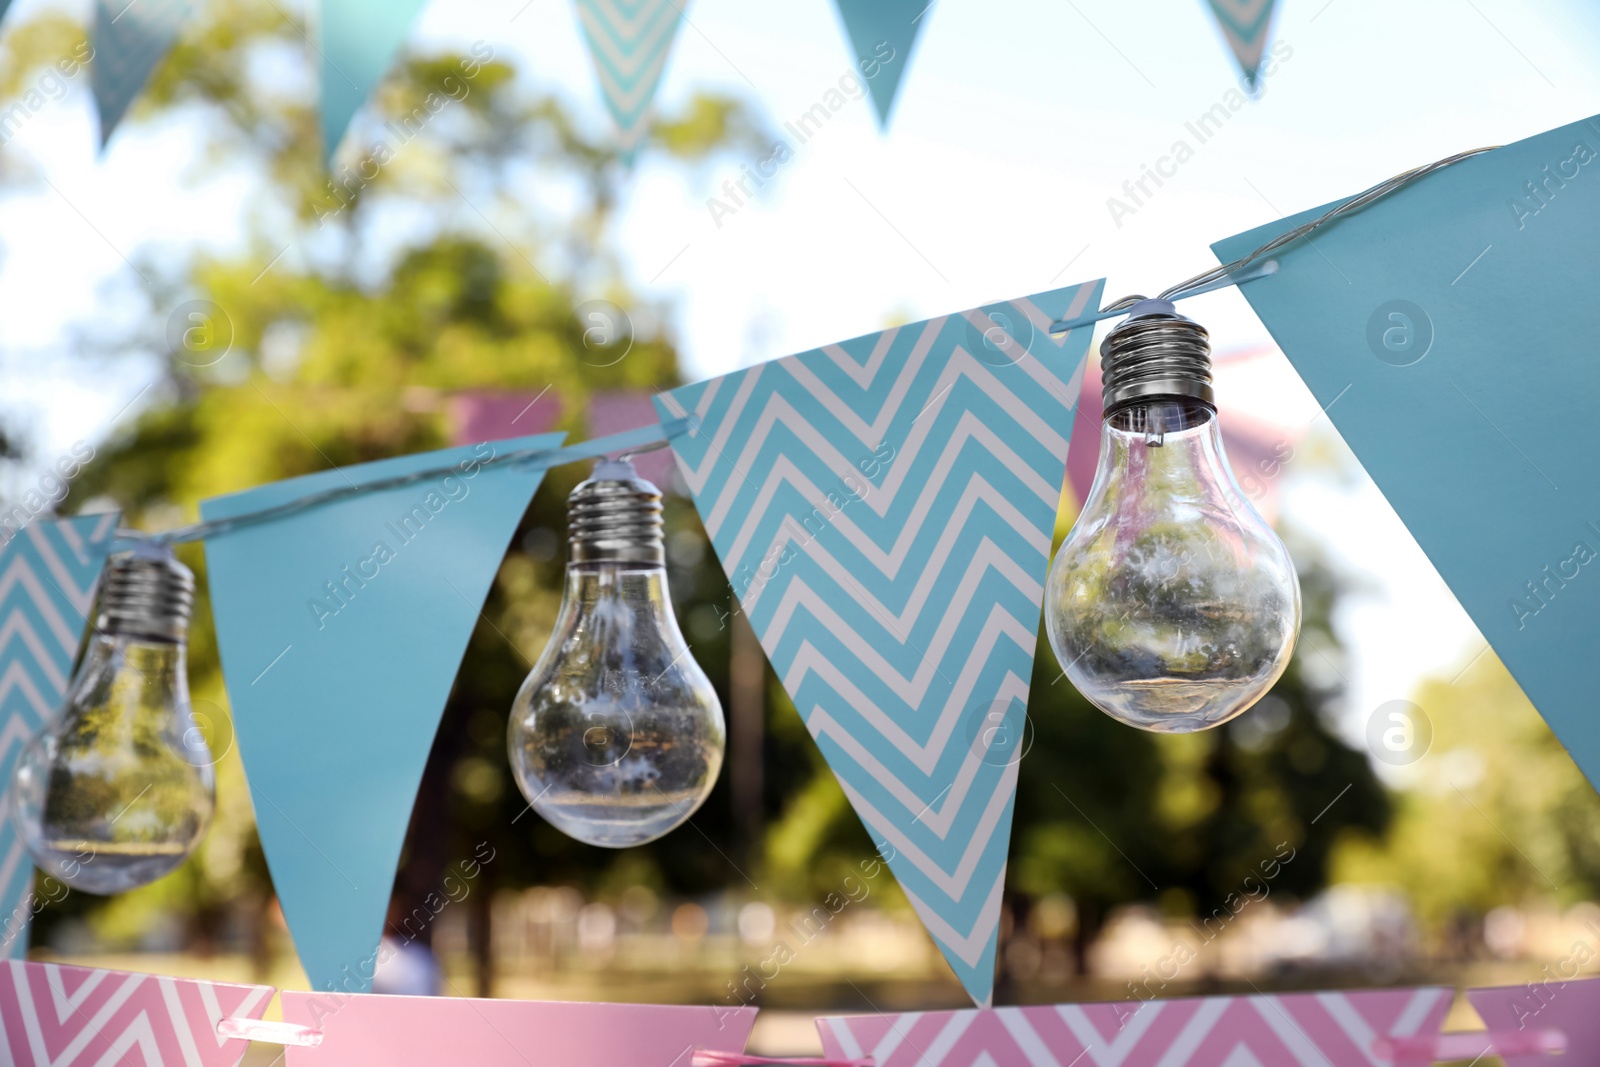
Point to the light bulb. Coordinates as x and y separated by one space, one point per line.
616 736
1172 606
118 789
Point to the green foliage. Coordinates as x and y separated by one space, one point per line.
1521 819
1111 815
343 352
338 357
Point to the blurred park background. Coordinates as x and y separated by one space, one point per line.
381 308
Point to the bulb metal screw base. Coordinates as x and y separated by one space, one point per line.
147 593
615 517
1155 354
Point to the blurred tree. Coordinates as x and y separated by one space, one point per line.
1111 815
432 261
1522 819
335 343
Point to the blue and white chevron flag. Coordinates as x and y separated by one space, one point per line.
1245 24
629 40
48 573
129 40
884 508
882 34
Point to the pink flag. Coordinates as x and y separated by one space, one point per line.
1257 450
376 1031
1572 1008
487 415
57 1016
614 412
1299 1028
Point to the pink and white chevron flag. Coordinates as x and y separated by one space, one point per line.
1289 1030
57 1016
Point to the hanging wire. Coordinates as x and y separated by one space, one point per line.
650 438
644 450
1218 277
643 439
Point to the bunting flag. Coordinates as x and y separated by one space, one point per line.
129 40
395 1031
882 34
1245 24
57 1016
340 629
1301 1028
1572 1008
358 41
884 508
630 40
617 410
48 573
1449 336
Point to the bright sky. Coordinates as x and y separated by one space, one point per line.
1017 120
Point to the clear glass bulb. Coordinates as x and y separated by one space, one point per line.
118 789
616 735
1172 605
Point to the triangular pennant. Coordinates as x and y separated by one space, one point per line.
129 40
1245 24
882 34
630 41
358 40
401 1031
1448 330
58 1016
340 629
1572 1008
1303 1028
884 508
49 569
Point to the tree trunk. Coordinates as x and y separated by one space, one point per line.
480 937
747 678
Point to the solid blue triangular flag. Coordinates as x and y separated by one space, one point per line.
883 508
341 628
129 40
882 34
358 41
49 569
1449 332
